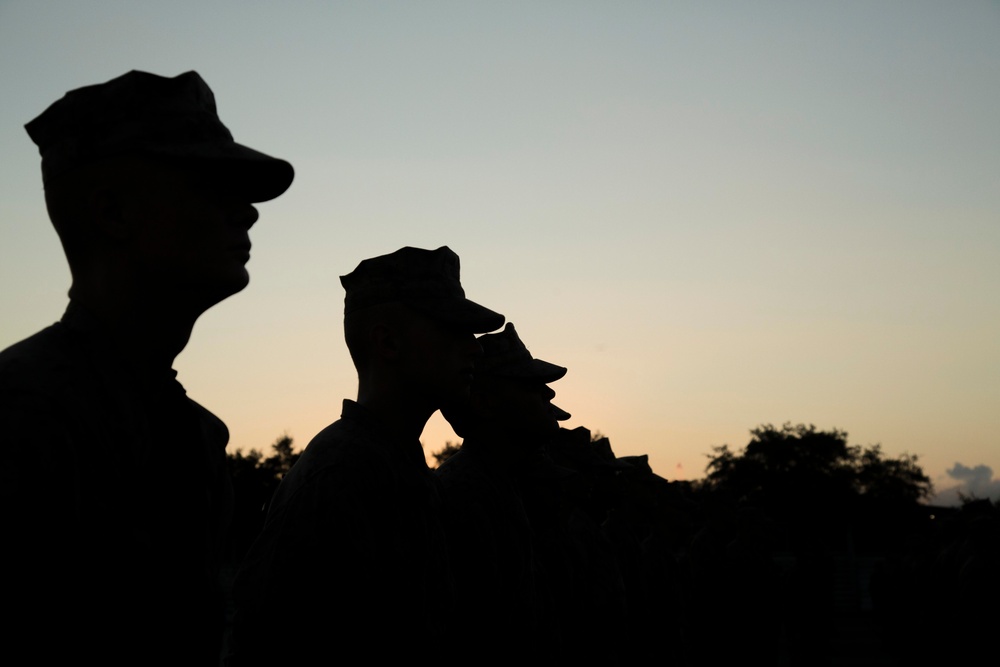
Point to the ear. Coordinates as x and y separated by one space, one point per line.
109 214
386 342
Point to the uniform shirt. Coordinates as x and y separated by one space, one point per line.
115 501
503 604
351 565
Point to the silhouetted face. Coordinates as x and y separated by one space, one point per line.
190 231
524 405
439 359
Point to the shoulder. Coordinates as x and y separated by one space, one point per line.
318 503
40 420
38 359
346 468
339 444
324 467
337 460
39 378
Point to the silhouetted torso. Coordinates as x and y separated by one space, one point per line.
576 555
352 563
116 497
503 605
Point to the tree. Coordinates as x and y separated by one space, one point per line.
815 500
805 462
450 449
779 465
892 480
813 481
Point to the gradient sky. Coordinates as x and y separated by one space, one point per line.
715 214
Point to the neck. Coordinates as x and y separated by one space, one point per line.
152 331
400 414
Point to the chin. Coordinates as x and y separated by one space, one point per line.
240 285
235 280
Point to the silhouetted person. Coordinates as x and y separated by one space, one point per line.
352 563
114 490
571 512
504 605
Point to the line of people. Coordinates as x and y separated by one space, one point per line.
366 553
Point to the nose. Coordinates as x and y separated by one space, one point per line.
246 216
548 392
237 211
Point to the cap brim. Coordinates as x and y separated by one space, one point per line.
257 176
462 313
534 369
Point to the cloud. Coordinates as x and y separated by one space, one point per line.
980 472
975 482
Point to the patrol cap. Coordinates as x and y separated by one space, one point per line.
505 355
425 280
145 114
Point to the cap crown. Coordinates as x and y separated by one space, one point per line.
427 280
505 354
139 113
405 275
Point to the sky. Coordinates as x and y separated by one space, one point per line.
715 214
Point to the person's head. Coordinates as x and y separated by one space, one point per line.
511 394
142 178
407 322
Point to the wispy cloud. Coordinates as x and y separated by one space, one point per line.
975 482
